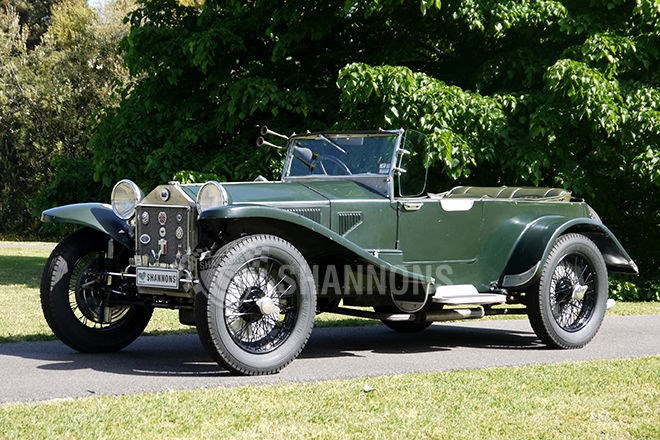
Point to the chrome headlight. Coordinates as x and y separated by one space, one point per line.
125 197
211 194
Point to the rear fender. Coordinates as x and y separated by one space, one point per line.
535 243
98 216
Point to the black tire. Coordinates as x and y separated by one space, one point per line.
74 312
402 326
250 276
567 306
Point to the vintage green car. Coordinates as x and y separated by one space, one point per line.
351 228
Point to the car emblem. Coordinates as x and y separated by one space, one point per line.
145 239
179 233
179 217
145 217
164 194
162 218
162 232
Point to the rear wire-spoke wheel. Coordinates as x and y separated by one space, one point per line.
258 312
567 306
75 297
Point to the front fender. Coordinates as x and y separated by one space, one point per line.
234 212
98 216
536 241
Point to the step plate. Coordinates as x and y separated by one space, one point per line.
465 294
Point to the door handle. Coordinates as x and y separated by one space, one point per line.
412 206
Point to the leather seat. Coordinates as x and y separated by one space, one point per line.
509 192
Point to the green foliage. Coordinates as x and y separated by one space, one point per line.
33 15
207 78
464 128
623 289
565 94
49 92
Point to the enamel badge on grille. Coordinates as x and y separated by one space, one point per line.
162 218
162 247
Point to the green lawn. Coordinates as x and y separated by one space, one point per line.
20 272
600 399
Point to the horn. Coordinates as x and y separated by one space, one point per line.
261 142
265 131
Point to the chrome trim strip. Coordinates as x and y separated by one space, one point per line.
163 205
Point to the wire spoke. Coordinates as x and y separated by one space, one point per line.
252 286
572 310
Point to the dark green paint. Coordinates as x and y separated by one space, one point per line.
98 216
469 235
266 212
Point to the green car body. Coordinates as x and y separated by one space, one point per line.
347 211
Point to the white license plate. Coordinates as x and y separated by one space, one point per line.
158 277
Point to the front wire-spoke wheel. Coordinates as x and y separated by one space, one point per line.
567 306
87 295
258 311
261 305
76 297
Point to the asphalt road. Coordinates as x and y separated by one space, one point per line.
36 371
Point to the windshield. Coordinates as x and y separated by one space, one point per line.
341 154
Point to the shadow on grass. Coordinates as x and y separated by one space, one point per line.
21 270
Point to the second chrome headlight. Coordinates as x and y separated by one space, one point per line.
211 194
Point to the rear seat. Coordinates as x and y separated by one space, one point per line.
508 192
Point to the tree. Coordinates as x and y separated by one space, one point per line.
567 95
48 95
205 79
518 92
34 16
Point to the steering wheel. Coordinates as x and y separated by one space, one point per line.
336 161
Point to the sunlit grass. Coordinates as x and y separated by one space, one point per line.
598 399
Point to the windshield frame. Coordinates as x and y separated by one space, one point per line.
397 134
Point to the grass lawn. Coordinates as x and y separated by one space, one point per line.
20 271
599 399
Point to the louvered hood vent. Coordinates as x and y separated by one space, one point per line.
314 214
349 220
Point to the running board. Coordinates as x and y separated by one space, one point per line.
465 294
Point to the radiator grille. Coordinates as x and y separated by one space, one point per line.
348 221
174 218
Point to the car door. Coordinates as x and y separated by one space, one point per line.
436 230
